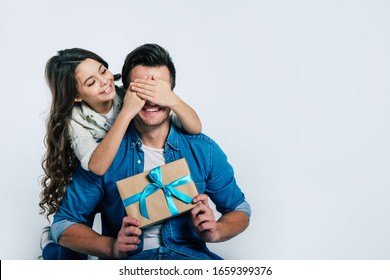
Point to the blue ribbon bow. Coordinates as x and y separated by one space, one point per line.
168 189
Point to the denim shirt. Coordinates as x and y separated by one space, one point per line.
88 194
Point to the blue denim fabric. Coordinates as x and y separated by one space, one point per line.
162 253
88 193
54 251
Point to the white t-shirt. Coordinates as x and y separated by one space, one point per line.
109 117
152 234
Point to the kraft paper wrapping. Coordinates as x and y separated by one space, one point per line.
158 208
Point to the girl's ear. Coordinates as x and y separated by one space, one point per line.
78 99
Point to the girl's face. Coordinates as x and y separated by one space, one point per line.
95 84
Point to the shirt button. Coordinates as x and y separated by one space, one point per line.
139 161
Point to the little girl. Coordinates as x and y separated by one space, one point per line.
89 116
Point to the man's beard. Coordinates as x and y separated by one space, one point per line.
142 123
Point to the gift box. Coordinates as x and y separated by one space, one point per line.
155 195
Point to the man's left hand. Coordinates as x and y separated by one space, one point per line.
203 219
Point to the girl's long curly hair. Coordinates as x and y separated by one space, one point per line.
59 160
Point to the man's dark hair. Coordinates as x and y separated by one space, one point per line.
148 55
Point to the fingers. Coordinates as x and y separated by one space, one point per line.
122 248
202 211
144 92
143 88
128 243
202 215
130 221
152 81
202 198
154 91
146 97
203 219
132 103
148 85
144 84
207 225
130 231
131 94
128 237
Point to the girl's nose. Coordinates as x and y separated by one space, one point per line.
103 81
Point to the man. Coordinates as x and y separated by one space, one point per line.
151 140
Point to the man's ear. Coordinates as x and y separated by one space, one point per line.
78 99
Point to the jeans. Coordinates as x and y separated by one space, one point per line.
54 251
161 253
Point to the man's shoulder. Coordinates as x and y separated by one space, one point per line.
200 138
199 143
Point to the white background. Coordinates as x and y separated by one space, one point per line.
295 92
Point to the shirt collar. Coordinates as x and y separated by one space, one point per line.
173 138
135 140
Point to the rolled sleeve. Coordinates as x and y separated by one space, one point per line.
58 228
244 207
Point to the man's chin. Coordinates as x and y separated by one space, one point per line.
150 124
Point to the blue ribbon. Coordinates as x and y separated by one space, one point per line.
168 189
